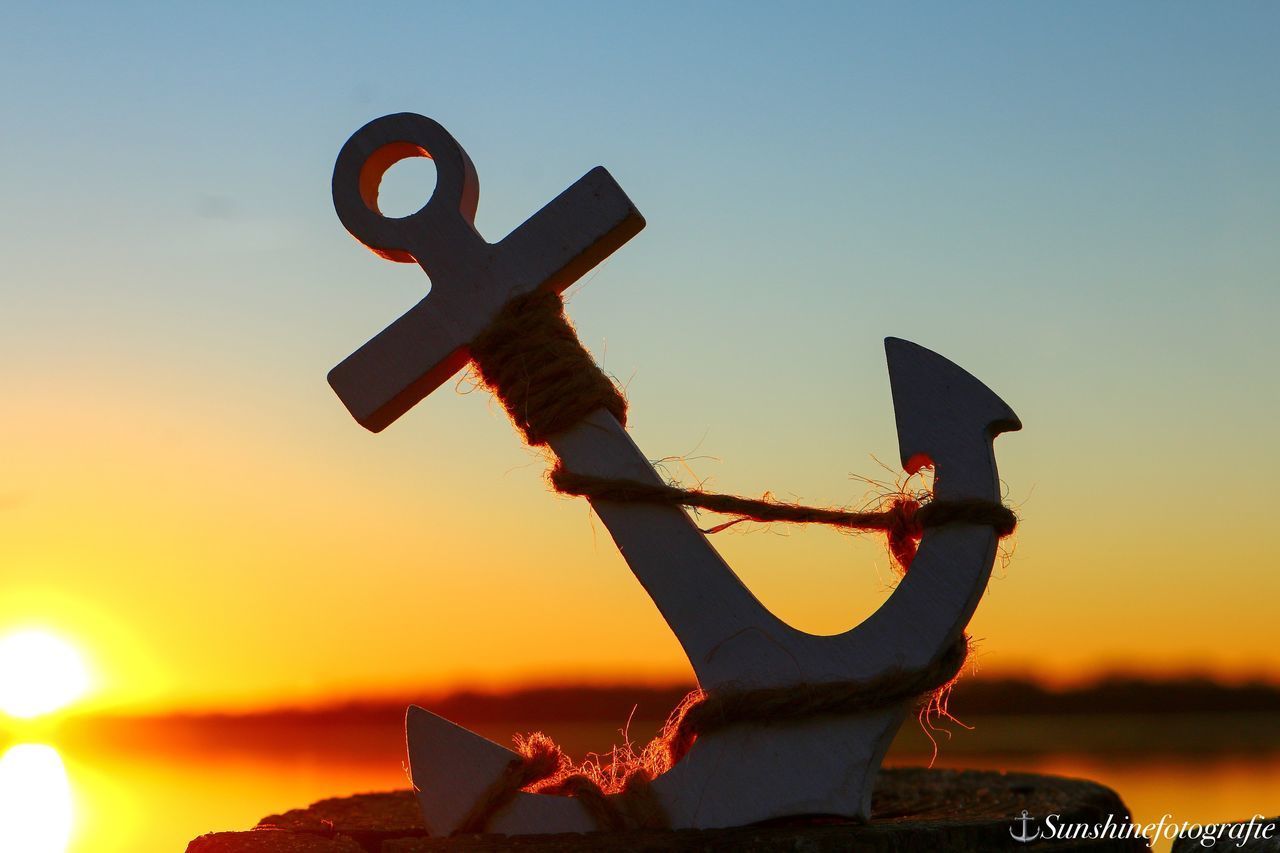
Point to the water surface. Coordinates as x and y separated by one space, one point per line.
130 790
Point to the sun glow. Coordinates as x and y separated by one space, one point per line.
39 673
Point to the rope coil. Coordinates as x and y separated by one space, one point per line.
634 805
532 360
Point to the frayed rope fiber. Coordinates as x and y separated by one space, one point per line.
543 767
534 363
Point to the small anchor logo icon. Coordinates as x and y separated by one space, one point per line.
1024 819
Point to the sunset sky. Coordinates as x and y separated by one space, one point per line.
1077 203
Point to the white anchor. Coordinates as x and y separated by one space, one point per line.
733 776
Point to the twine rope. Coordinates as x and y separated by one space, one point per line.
903 519
635 805
519 773
532 360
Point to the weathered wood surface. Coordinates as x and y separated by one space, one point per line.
273 841
913 810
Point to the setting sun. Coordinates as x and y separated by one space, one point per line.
39 673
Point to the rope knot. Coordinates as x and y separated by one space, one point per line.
540 758
904 530
633 805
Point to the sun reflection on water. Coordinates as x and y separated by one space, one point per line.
35 800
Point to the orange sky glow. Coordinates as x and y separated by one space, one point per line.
1083 219
276 578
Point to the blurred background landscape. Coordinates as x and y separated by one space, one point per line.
1198 750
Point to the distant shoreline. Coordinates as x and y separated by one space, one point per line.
1005 716
590 703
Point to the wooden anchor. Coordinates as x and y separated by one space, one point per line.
743 774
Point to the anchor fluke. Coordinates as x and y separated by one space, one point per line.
437 749
946 418
452 767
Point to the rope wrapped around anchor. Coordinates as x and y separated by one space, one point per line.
532 360
632 804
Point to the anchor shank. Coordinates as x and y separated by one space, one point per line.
700 597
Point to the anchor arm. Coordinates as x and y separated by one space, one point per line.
947 419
